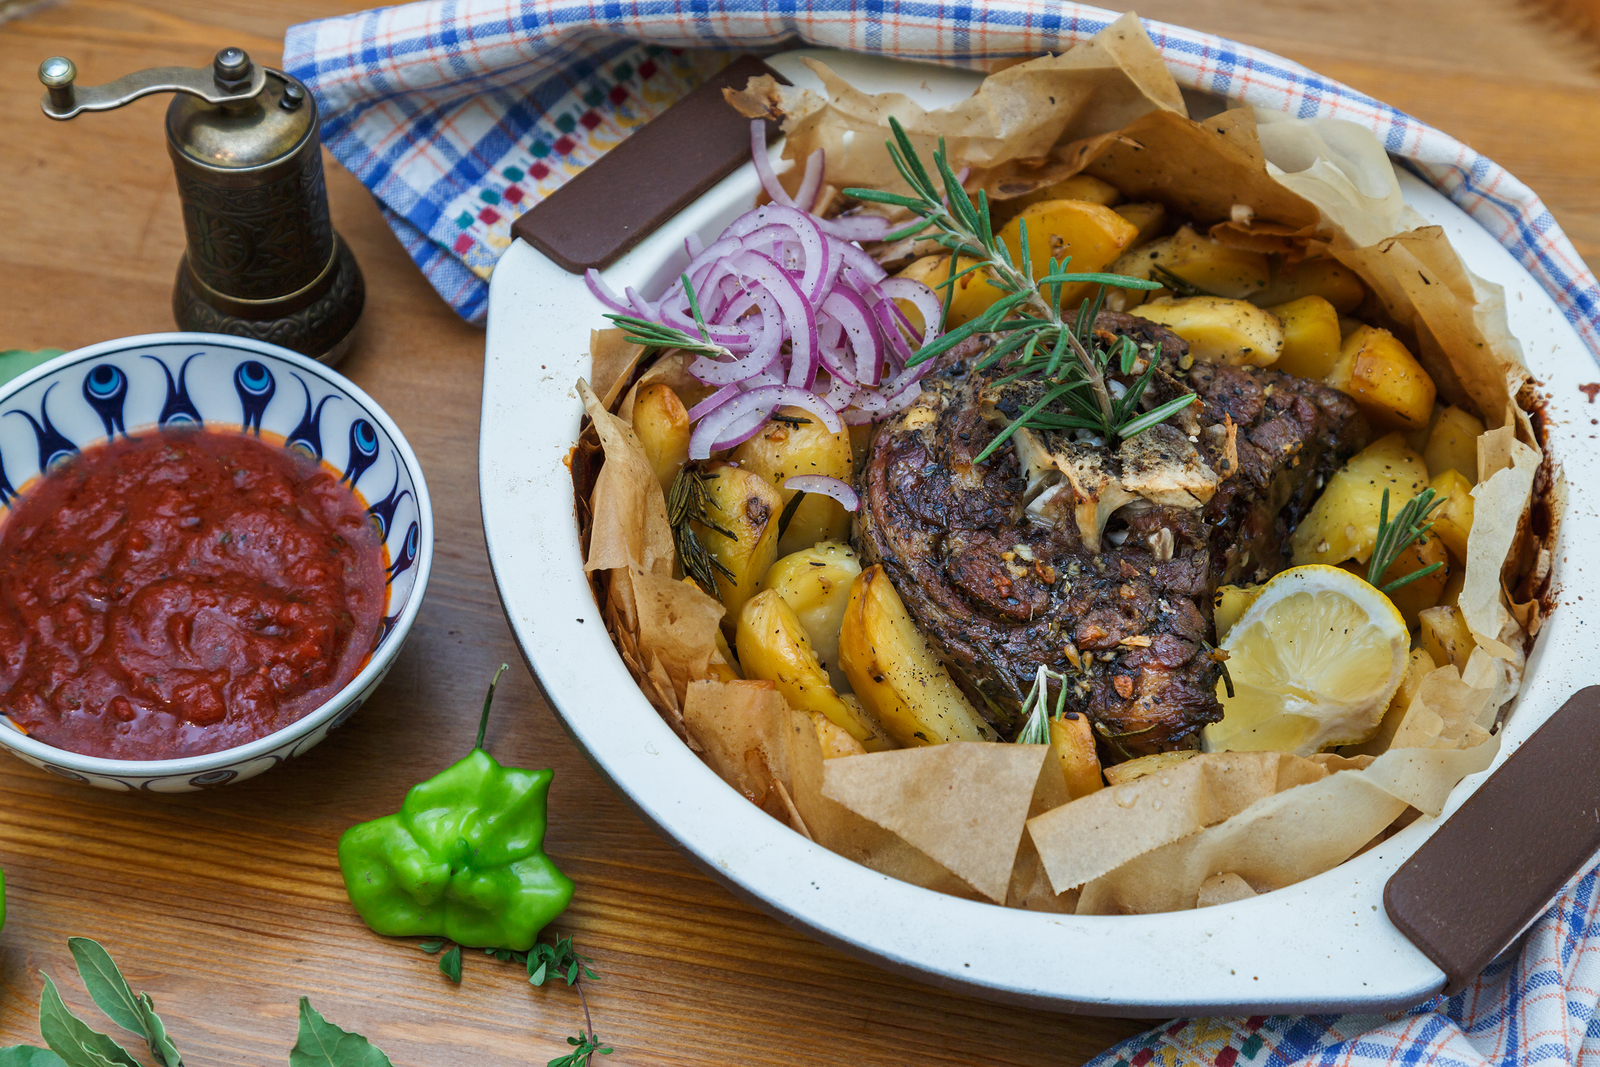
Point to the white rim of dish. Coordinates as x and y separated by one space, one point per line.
1323 944
11 737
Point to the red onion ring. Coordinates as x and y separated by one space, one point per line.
821 483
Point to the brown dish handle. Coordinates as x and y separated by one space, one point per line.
622 197
1495 864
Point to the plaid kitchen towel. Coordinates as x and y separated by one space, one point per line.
459 114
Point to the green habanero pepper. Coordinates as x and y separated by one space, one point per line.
463 857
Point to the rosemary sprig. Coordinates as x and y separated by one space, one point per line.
656 335
1397 536
1177 282
1027 321
1036 706
686 504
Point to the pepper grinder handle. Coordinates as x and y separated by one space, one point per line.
231 79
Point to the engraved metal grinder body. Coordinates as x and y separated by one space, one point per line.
263 259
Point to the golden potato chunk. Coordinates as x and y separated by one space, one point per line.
1219 330
1452 520
773 646
835 739
1147 218
1453 444
1311 339
815 583
1445 636
1072 741
895 672
1078 187
1216 268
1384 379
973 293
724 667
1420 593
1343 523
740 531
1229 604
662 424
1087 235
1321 276
1156 762
1451 598
797 443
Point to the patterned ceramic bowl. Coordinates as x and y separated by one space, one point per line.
171 379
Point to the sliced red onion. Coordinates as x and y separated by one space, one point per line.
716 424
811 184
790 297
851 312
757 227
821 483
870 270
758 154
797 313
603 293
713 402
857 227
924 299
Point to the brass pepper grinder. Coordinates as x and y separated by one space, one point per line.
263 259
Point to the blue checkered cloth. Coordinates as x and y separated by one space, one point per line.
1534 1005
459 114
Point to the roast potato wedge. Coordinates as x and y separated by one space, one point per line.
1220 330
1343 523
740 531
797 443
1088 236
773 645
1384 379
1311 338
895 672
1072 742
815 583
662 424
1321 276
1453 444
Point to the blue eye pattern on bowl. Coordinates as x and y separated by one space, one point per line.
54 448
255 385
307 437
179 410
105 388
363 451
382 511
407 556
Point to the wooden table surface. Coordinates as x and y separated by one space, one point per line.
227 905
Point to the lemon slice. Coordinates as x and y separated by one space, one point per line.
1314 662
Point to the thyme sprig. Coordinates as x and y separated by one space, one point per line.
1397 536
1027 321
1036 706
687 504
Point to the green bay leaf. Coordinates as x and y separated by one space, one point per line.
104 981
72 1039
322 1044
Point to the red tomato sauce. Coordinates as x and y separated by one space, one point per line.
181 592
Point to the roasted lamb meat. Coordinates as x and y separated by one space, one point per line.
1098 562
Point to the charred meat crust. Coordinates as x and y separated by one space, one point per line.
1001 589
